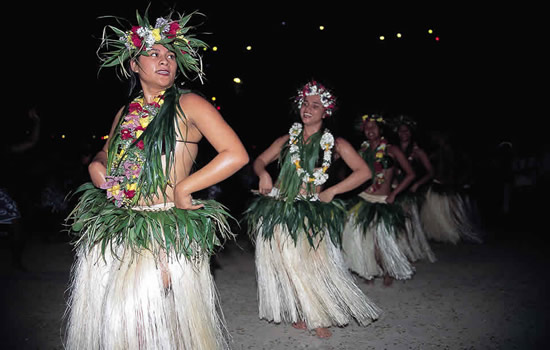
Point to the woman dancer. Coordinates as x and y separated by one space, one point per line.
297 224
375 222
414 243
141 279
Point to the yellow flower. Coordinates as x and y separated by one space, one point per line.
325 168
297 164
138 133
156 34
379 155
131 187
144 122
114 190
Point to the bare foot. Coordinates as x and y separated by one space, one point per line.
371 281
323 332
388 281
299 325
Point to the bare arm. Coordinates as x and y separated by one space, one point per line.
360 171
98 166
399 156
429 170
266 157
231 153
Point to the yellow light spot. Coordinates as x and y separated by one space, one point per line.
430 31
382 37
399 35
321 27
237 80
214 48
248 48
213 98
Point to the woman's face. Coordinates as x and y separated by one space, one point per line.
404 133
158 68
371 130
312 110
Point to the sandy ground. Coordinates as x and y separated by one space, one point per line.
489 296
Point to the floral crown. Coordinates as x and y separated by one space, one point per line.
360 123
404 120
172 34
314 88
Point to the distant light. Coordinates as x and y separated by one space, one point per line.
214 48
63 136
283 23
321 27
430 31
105 137
436 38
399 35
382 37
204 48
237 80
218 108
248 48
213 98
93 137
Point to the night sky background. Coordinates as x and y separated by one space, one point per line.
471 83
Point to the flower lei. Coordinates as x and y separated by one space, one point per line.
379 155
319 176
314 88
124 174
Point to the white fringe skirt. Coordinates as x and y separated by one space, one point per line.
141 301
299 283
413 242
374 253
446 218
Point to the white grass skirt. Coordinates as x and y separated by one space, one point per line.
125 304
413 241
446 218
299 283
376 252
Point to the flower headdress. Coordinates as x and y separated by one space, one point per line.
172 34
314 88
377 118
403 120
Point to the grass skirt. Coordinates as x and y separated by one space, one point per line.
414 242
372 250
446 218
297 282
119 300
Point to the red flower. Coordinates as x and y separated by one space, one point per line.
125 134
174 27
136 40
140 144
135 108
130 193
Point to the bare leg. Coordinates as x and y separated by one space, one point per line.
165 274
299 325
323 332
388 280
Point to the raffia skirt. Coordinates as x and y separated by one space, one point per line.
414 242
123 302
376 252
446 218
299 283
